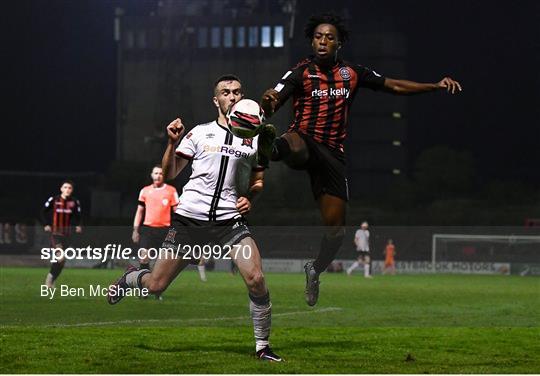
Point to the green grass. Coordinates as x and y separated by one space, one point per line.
391 324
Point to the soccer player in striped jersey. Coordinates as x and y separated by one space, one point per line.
59 215
323 88
224 179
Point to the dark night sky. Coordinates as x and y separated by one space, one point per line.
60 70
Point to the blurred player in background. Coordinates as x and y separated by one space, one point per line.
225 177
323 88
361 243
59 215
389 254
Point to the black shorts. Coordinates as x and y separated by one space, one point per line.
189 232
152 237
326 169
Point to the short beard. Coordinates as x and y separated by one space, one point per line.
223 110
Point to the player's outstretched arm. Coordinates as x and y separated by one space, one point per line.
405 87
171 163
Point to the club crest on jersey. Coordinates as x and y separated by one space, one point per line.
170 236
247 142
189 135
344 73
165 202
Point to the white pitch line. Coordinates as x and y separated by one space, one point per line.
142 321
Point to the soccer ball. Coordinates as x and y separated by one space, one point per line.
245 118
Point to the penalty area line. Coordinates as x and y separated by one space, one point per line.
214 319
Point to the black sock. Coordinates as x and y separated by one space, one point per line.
56 269
281 149
145 265
329 247
260 300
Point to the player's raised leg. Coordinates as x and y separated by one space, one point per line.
248 261
333 210
165 271
290 147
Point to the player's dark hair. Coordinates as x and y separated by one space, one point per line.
327 18
68 181
226 77
157 165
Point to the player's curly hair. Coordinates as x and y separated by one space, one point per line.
328 18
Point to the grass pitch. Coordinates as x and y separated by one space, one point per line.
390 324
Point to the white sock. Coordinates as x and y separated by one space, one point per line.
49 279
261 314
366 270
352 267
132 279
202 272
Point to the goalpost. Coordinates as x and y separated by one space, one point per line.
511 249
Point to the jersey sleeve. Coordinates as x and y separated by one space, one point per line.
289 84
369 78
187 148
142 197
77 213
46 211
175 200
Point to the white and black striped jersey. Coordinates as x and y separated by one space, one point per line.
221 171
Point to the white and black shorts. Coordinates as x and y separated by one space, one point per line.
363 253
191 232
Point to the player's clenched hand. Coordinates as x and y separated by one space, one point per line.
175 130
450 85
270 97
135 237
47 228
243 205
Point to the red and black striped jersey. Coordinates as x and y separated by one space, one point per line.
61 214
322 97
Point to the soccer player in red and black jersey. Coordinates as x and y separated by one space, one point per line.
323 88
59 215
